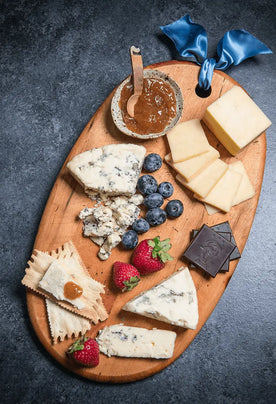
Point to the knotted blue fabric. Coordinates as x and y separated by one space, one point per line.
191 41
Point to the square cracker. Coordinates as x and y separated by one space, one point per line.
64 323
94 309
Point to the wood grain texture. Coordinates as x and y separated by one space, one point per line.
59 224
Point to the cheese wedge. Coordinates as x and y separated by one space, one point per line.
245 190
223 194
173 301
187 140
194 166
203 183
235 119
136 342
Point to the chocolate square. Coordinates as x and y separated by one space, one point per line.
227 236
208 250
224 228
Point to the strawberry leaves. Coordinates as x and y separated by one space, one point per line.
160 249
78 345
131 283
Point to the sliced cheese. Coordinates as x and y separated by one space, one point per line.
211 210
245 190
235 119
194 166
223 194
173 301
187 140
203 183
135 342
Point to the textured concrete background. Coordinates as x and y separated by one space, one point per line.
59 61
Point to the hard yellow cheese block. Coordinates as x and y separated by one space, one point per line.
187 140
194 166
235 119
224 192
246 189
207 179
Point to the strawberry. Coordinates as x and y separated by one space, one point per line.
85 351
150 255
125 276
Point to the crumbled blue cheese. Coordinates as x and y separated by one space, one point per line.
135 342
173 301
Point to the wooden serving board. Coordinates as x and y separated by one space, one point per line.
59 224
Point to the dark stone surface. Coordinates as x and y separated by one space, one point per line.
59 61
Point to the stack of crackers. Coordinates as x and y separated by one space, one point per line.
66 320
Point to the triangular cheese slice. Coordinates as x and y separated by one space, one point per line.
173 301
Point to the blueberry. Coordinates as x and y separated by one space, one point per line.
147 184
141 225
152 162
130 239
154 200
165 189
156 216
174 208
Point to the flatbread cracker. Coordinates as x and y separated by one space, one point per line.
64 323
67 255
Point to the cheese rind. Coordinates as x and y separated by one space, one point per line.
189 169
203 183
187 140
223 194
173 301
135 342
235 119
109 170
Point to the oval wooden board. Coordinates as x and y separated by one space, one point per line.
59 224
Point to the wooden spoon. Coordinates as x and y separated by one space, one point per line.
137 77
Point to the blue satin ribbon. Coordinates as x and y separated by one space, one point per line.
191 41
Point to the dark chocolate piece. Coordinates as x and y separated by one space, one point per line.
208 250
224 228
227 236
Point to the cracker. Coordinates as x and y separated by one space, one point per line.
69 258
64 323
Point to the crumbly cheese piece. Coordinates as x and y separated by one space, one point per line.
54 281
110 242
235 119
105 224
173 301
246 189
189 169
109 170
64 323
187 140
135 342
204 182
223 194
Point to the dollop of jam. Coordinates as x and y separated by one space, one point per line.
72 290
154 110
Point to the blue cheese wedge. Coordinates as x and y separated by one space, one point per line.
135 342
173 301
109 170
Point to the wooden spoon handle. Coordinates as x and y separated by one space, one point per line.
137 70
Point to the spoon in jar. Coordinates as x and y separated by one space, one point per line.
137 78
